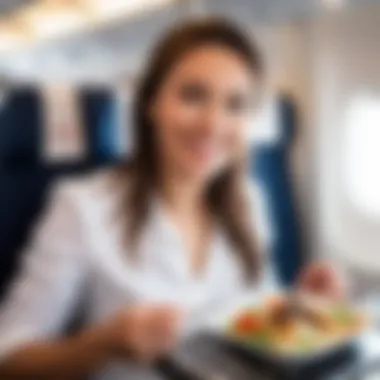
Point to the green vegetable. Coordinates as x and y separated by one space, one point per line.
262 339
306 341
343 315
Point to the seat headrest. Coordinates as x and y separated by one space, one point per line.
20 127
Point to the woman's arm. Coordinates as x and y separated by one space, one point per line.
71 358
141 332
44 297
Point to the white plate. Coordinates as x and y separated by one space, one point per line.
217 323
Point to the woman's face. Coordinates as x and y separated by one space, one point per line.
202 112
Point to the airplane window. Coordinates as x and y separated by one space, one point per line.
362 154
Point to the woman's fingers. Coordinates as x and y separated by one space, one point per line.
151 330
325 280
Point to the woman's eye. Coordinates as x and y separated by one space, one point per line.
237 104
193 93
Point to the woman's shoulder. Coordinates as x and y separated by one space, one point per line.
92 182
102 185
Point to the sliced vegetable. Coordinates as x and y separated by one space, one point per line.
247 324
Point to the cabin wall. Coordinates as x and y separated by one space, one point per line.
325 64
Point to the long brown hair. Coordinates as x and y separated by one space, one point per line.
224 197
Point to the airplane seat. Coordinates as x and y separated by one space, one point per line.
25 181
271 167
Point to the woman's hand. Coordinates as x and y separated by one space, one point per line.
324 280
143 332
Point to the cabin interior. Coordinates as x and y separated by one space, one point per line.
67 75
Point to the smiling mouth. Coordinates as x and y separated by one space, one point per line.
203 148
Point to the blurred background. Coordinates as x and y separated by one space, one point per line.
67 74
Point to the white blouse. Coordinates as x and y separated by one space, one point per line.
76 259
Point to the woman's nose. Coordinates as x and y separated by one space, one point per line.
213 119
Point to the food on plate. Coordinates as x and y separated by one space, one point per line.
281 325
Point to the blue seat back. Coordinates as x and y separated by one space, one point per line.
25 180
271 167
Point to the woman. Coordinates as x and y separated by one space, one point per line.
152 244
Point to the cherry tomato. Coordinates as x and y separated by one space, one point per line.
247 324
